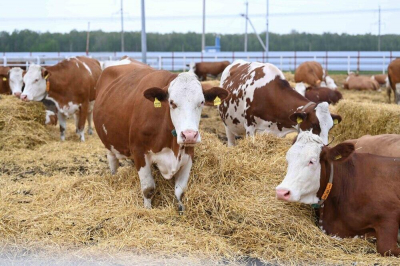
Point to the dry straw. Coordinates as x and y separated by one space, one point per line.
21 124
361 119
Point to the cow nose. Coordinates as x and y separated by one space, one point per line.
282 194
190 136
17 94
24 97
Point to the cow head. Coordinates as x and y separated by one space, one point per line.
15 79
330 83
305 158
35 83
300 88
316 118
185 99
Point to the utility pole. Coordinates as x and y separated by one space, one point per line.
258 36
245 32
203 37
122 28
267 32
144 43
379 32
87 39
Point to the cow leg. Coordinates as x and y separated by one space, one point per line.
83 112
76 118
397 93
386 235
62 119
181 181
389 93
113 162
90 118
231 137
146 181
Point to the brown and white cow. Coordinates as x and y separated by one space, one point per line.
383 145
359 193
16 82
356 82
261 100
208 68
70 84
151 116
4 84
380 78
313 73
394 79
319 94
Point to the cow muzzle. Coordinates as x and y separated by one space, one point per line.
24 97
190 137
283 194
17 94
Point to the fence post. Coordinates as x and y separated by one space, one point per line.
263 57
281 62
184 63
358 62
315 58
4 61
160 62
201 56
348 64
38 60
233 56
383 64
390 57
295 59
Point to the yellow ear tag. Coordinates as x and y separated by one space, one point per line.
217 101
46 77
157 103
4 79
299 120
338 157
47 85
335 121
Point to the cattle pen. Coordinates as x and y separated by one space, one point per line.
356 61
59 197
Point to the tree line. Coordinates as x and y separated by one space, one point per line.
75 41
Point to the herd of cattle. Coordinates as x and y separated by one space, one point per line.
152 116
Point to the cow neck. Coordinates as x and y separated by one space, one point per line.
53 91
326 184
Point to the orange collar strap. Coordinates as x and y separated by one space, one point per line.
326 192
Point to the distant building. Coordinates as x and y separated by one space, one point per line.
216 48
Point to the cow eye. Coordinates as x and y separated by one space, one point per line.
311 162
201 104
173 105
36 80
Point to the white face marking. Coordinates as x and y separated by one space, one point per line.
192 67
16 82
330 83
304 169
167 162
325 120
300 88
186 93
35 84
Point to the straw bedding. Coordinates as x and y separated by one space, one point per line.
60 195
21 124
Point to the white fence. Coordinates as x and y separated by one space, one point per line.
178 61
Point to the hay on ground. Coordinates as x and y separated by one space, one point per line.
361 119
21 124
65 197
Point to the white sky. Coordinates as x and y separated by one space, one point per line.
185 15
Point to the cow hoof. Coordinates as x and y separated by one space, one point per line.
181 209
147 203
77 131
90 132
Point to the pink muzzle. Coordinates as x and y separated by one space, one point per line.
190 136
282 194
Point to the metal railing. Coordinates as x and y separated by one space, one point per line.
178 61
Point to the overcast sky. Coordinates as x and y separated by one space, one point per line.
223 16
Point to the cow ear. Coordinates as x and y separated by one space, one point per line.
298 117
45 73
340 152
153 93
336 119
210 95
